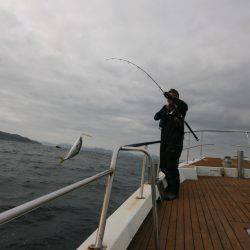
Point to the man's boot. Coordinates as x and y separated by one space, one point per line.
170 196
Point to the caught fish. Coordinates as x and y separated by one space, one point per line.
75 149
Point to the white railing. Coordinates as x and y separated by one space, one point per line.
201 145
36 203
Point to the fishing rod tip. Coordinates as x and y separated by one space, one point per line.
110 58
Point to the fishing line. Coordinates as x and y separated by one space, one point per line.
140 68
144 71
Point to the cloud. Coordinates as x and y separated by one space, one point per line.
56 84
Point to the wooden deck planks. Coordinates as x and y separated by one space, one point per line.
222 216
241 196
143 235
232 193
180 222
209 221
171 236
211 213
165 225
188 233
201 218
196 229
161 214
218 225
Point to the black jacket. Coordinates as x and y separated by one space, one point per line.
172 124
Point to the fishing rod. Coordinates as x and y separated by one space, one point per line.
129 62
145 72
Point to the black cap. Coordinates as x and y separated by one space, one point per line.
176 93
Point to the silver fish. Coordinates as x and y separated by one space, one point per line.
75 149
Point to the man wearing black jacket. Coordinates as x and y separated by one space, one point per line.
171 118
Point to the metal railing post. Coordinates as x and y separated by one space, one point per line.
154 205
144 162
153 192
158 171
148 174
103 217
240 159
248 138
201 151
188 147
102 223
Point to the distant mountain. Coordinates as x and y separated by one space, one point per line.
68 146
96 150
14 137
45 143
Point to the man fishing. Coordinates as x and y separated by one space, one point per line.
171 118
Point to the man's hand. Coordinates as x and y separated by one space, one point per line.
168 95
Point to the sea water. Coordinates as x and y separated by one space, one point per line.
28 171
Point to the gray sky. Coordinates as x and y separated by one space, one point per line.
56 84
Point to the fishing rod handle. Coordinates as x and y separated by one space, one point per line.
190 129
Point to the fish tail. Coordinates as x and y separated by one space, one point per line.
61 160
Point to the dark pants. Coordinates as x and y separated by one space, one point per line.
169 161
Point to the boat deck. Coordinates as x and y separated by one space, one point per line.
211 213
216 162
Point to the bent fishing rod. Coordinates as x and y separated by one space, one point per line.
145 72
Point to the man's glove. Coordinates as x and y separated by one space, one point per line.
168 95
